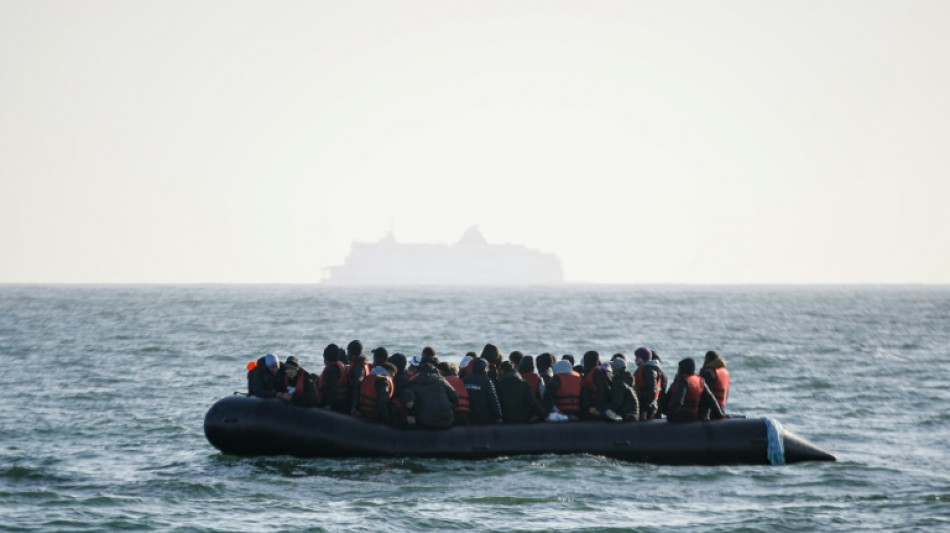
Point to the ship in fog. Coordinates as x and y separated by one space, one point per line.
470 261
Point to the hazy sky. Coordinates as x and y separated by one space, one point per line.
699 142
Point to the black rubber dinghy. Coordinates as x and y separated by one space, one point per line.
241 425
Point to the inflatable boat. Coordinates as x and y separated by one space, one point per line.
241 425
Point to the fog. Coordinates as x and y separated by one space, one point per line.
687 142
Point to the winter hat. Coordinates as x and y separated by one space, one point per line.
465 361
563 367
270 360
687 366
415 361
618 363
292 362
643 353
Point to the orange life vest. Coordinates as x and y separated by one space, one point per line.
369 397
459 386
720 388
567 398
299 385
342 382
639 383
533 379
694 391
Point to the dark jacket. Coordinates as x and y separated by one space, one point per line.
435 399
653 383
482 396
518 402
263 384
599 392
623 401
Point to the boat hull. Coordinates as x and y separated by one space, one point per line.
241 425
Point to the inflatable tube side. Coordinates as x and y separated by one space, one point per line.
240 425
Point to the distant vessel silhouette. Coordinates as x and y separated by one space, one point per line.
470 261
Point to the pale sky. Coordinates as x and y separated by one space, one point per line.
642 142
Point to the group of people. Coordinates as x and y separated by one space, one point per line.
488 388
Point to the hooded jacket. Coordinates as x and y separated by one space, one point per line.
434 406
518 402
482 396
261 383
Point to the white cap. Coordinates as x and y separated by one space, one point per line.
465 361
415 361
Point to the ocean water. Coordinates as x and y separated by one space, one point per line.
104 391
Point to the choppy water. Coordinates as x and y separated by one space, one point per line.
104 392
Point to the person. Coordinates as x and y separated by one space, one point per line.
380 356
358 370
545 364
464 368
519 405
526 369
647 383
376 392
494 357
623 400
435 400
265 378
482 396
403 398
299 387
515 358
413 367
450 372
334 382
689 395
565 391
596 384
715 374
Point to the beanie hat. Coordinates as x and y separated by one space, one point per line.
643 353
465 361
562 367
292 362
618 363
270 360
399 361
687 366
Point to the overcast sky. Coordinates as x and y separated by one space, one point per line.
642 142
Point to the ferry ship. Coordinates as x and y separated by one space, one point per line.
472 260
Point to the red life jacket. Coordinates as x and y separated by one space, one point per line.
639 383
533 379
342 383
568 397
299 385
459 386
369 397
720 388
590 385
694 391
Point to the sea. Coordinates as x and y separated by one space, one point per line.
104 390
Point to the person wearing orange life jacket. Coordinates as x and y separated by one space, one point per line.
265 377
358 369
334 381
565 391
597 385
449 371
376 392
689 396
715 375
526 369
298 384
648 383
